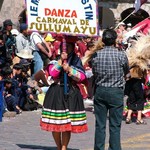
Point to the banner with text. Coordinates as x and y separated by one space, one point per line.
75 17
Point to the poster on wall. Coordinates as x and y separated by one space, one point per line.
71 17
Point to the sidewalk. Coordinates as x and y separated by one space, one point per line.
23 133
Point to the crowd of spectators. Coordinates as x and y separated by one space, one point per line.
24 60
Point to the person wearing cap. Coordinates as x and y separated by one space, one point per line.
7 25
7 42
48 45
49 38
50 41
22 39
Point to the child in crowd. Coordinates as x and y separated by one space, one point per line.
135 93
138 56
5 111
11 101
25 93
10 89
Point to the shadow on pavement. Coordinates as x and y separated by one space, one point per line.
39 147
89 108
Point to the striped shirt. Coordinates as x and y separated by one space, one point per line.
109 67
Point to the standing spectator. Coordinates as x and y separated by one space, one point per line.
129 27
139 57
81 46
49 39
36 45
109 68
7 42
88 70
22 40
147 85
121 30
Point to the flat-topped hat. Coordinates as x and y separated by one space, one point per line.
25 53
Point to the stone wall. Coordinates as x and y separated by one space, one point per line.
117 8
11 9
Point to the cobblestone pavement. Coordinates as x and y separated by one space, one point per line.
23 133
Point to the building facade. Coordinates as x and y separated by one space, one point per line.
110 11
11 9
113 11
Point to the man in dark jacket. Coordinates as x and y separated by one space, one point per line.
7 41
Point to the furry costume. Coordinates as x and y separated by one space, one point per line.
139 53
139 60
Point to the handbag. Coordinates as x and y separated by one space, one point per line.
43 55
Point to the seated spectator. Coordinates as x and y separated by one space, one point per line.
11 101
24 92
5 111
26 63
42 77
17 69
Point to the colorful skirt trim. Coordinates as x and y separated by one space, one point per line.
62 114
61 121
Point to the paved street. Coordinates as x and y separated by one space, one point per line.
23 133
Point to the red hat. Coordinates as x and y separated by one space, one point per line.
68 38
71 39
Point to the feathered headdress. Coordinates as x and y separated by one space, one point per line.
139 53
97 46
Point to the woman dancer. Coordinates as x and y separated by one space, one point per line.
65 113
